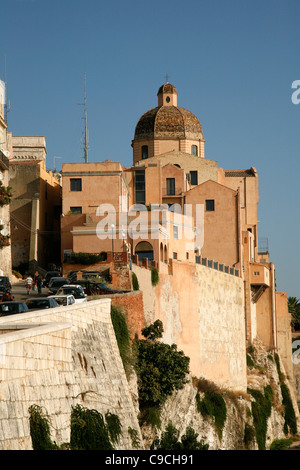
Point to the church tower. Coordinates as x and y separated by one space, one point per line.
167 127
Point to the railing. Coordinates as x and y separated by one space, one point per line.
218 266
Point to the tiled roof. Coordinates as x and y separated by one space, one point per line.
168 121
239 173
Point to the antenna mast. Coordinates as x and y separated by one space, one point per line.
85 124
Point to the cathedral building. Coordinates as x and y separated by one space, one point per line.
203 213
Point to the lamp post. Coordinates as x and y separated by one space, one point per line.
123 236
112 238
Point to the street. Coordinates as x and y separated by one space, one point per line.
20 294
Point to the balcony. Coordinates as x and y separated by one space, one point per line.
259 275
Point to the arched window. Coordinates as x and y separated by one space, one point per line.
194 150
144 250
144 152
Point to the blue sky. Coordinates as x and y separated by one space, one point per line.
233 63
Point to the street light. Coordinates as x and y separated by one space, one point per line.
112 239
123 236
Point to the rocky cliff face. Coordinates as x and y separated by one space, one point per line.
253 420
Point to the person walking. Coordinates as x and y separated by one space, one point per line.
39 283
29 282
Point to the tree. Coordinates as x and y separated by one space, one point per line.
294 310
161 369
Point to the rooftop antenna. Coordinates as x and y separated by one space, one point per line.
86 145
6 105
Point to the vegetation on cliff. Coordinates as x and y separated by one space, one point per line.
161 369
89 430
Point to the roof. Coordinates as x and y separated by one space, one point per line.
239 173
168 122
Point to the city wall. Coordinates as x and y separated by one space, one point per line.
202 312
56 359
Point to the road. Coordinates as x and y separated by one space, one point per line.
20 294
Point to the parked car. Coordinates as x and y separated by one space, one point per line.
96 288
10 308
96 276
55 283
76 290
49 275
63 300
41 303
5 284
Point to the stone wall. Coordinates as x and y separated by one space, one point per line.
202 312
131 304
56 359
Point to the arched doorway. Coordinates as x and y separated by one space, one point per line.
144 250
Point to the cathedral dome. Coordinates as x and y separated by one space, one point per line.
168 120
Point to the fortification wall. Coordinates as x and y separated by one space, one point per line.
202 312
56 359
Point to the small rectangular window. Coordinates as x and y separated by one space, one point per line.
75 184
194 177
210 205
170 186
194 150
174 255
76 210
144 152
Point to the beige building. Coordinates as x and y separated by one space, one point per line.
170 168
35 207
5 152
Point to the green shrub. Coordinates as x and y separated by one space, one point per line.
249 435
290 420
250 362
161 369
135 282
123 337
170 440
281 444
39 429
89 430
261 411
85 258
135 440
213 405
154 277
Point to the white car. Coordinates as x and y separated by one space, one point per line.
72 289
64 300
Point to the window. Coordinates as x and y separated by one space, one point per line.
194 177
175 231
170 186
194 150
210 204
76 210
187 255
174 255
75 184
140 186
144 152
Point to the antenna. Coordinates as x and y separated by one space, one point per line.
86 145
6 105
85 124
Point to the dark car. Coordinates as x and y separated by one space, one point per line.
55 283
10 308
41 303
5 284
48 276
96 288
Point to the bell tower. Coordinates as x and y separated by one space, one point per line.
167 95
